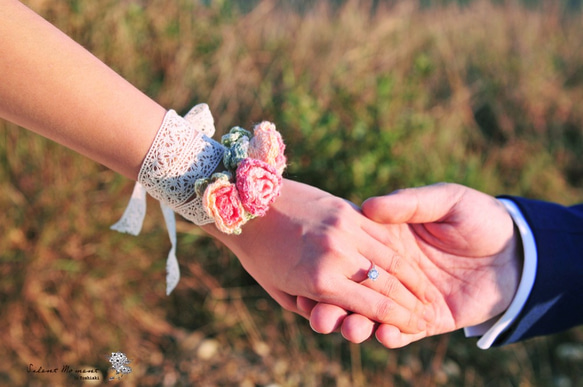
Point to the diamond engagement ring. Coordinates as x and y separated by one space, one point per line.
373 273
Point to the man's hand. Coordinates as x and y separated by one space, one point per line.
465 243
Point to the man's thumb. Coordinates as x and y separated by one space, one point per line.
413 205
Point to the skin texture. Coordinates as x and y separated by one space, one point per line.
310 244
465 243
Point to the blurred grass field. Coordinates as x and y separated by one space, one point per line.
487 94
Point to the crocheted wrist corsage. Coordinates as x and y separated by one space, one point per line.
252 181
178 172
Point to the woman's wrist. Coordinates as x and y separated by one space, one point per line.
226 184
255 227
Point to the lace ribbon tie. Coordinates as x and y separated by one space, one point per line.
181 153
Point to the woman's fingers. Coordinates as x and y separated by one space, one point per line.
392 248
384 299
390 286
343 281
378 307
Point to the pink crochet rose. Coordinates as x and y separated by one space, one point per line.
221 202
267 145
259 185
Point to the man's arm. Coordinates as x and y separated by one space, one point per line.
555 301
467 245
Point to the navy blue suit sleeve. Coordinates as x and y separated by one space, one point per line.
556 300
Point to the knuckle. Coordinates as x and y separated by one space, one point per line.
384 309
318 279
340 213
390 287
413 320
328 242
323 241
395 265
322 285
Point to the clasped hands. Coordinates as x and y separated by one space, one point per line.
447 257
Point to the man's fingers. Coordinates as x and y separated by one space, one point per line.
305 305
286 301
392 337
357 328
327 318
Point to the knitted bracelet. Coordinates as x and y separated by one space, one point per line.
176 171
253 179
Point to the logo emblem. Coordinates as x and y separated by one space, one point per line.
119 362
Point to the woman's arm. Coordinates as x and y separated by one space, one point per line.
54 87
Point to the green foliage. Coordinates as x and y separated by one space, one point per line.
485 94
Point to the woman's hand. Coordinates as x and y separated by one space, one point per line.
465 243
320 247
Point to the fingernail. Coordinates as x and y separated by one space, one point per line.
311 326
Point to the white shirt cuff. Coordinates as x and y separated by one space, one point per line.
491 329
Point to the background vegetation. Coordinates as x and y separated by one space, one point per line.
370 97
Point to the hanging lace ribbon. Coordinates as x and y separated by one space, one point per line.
181 153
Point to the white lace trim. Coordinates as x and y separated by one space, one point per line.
181 153
172 268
